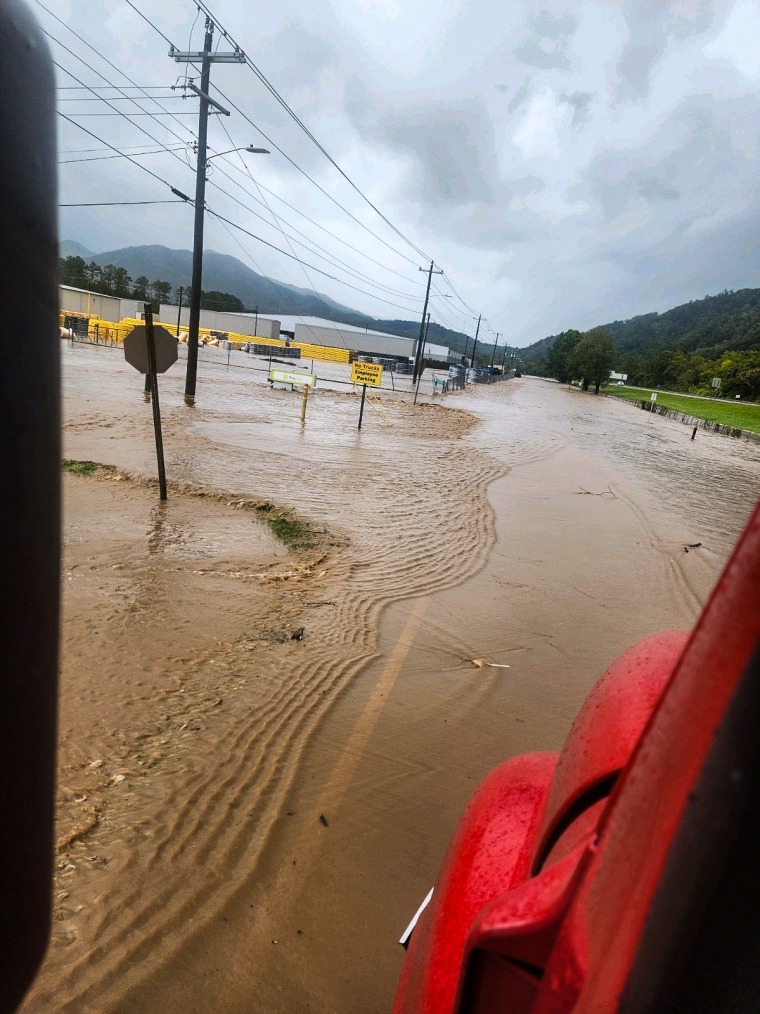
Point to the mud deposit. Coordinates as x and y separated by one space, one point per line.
270 716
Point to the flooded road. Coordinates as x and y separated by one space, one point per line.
263 853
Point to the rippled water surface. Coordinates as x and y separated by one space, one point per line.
269 812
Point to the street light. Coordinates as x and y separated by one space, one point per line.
249 148
195 290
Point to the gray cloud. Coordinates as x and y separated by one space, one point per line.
449 148
520 97
580 102
554 198
549 34
650 24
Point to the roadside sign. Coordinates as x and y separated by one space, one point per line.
136 348
286 377
653 396
367 373
715 382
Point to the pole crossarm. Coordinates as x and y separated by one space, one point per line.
211 102
237 57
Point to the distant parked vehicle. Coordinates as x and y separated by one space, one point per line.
621 383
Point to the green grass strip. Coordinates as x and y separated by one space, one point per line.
727 413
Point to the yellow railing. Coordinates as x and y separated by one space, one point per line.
114 333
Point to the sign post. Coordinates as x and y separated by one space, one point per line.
152 350
366 374
305 380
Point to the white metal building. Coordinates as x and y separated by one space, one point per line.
81 301
251 324
319 331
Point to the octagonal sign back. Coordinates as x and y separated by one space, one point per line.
136 348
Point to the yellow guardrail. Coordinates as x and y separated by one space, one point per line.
115 332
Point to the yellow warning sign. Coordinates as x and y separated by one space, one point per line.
367 373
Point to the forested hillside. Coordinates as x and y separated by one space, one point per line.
683 349
704 327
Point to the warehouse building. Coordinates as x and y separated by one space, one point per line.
115 308
307 330
73 300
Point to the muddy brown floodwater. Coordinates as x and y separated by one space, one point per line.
247 819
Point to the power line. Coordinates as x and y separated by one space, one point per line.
303 241
114 204
105 59
119 112
113 98
332 235
284 235
82 151
313 267
277 147
319 187
141 88
276 95
128 157
324 253
101 158
155 29
237 109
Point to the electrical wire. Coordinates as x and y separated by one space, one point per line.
155 29
123 154
105 59
100 158
120 112
303 241
295 165
114 204
276 95
277 147
260 239
302 214
317 294
156 141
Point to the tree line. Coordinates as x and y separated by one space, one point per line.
591 357
111 280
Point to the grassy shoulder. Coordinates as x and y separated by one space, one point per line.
293 531
727 413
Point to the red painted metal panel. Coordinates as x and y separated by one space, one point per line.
564 939
490 853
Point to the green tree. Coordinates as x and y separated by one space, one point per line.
107 278
121 282
73 271
140 290
92 273
593 358
559 356
160 291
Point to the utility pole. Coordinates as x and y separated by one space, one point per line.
424 340
493 354
206 58
421 339
475 343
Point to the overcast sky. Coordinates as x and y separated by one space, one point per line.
566 164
